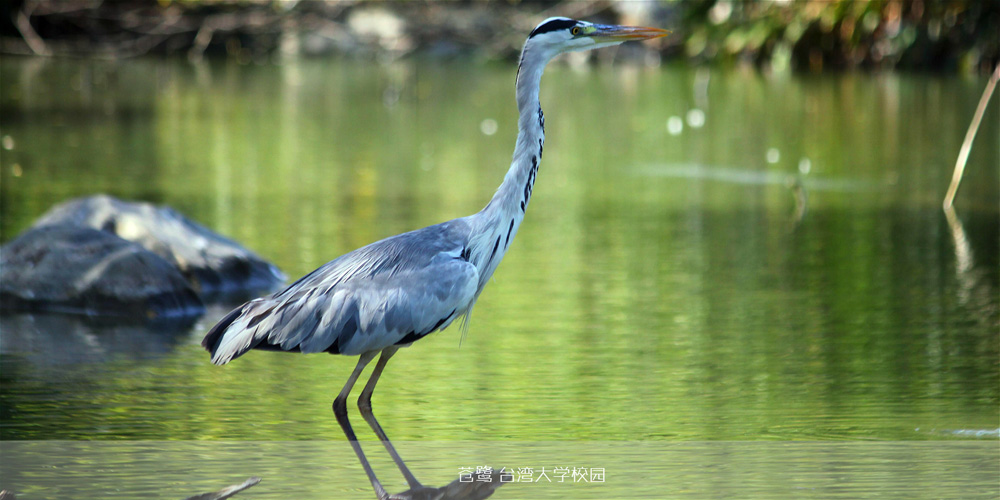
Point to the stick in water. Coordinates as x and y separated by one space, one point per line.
963 154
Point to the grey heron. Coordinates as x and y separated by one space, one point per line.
393 292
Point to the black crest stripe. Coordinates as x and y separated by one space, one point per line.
553 25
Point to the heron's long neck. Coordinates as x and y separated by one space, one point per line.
495 226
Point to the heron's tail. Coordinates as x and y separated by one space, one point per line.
221 331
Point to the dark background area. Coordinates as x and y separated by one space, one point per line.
810 35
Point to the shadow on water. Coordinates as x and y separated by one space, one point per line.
47 339
52 339
974 286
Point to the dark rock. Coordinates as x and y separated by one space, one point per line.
212 263
82 270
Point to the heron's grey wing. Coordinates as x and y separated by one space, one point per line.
392 291
358 315
394 254
393 309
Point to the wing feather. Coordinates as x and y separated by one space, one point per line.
397 289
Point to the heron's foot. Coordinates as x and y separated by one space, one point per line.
464 488
418 493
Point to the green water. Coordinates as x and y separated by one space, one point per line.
777 268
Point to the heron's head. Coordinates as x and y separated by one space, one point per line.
556 35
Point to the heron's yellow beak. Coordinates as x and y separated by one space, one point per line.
611 33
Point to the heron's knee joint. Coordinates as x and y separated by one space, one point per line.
365 403
340 407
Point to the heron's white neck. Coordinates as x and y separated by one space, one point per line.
494 227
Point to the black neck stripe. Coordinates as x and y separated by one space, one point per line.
553 25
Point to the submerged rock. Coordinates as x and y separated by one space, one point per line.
52 343
82 270
212 263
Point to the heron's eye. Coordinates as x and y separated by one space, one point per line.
575 31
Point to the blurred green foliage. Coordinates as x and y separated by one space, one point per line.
937 35
818 34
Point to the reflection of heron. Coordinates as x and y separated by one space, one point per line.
398 290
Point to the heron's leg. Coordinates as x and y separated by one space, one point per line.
365 405
340 410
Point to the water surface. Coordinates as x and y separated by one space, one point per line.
710 256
